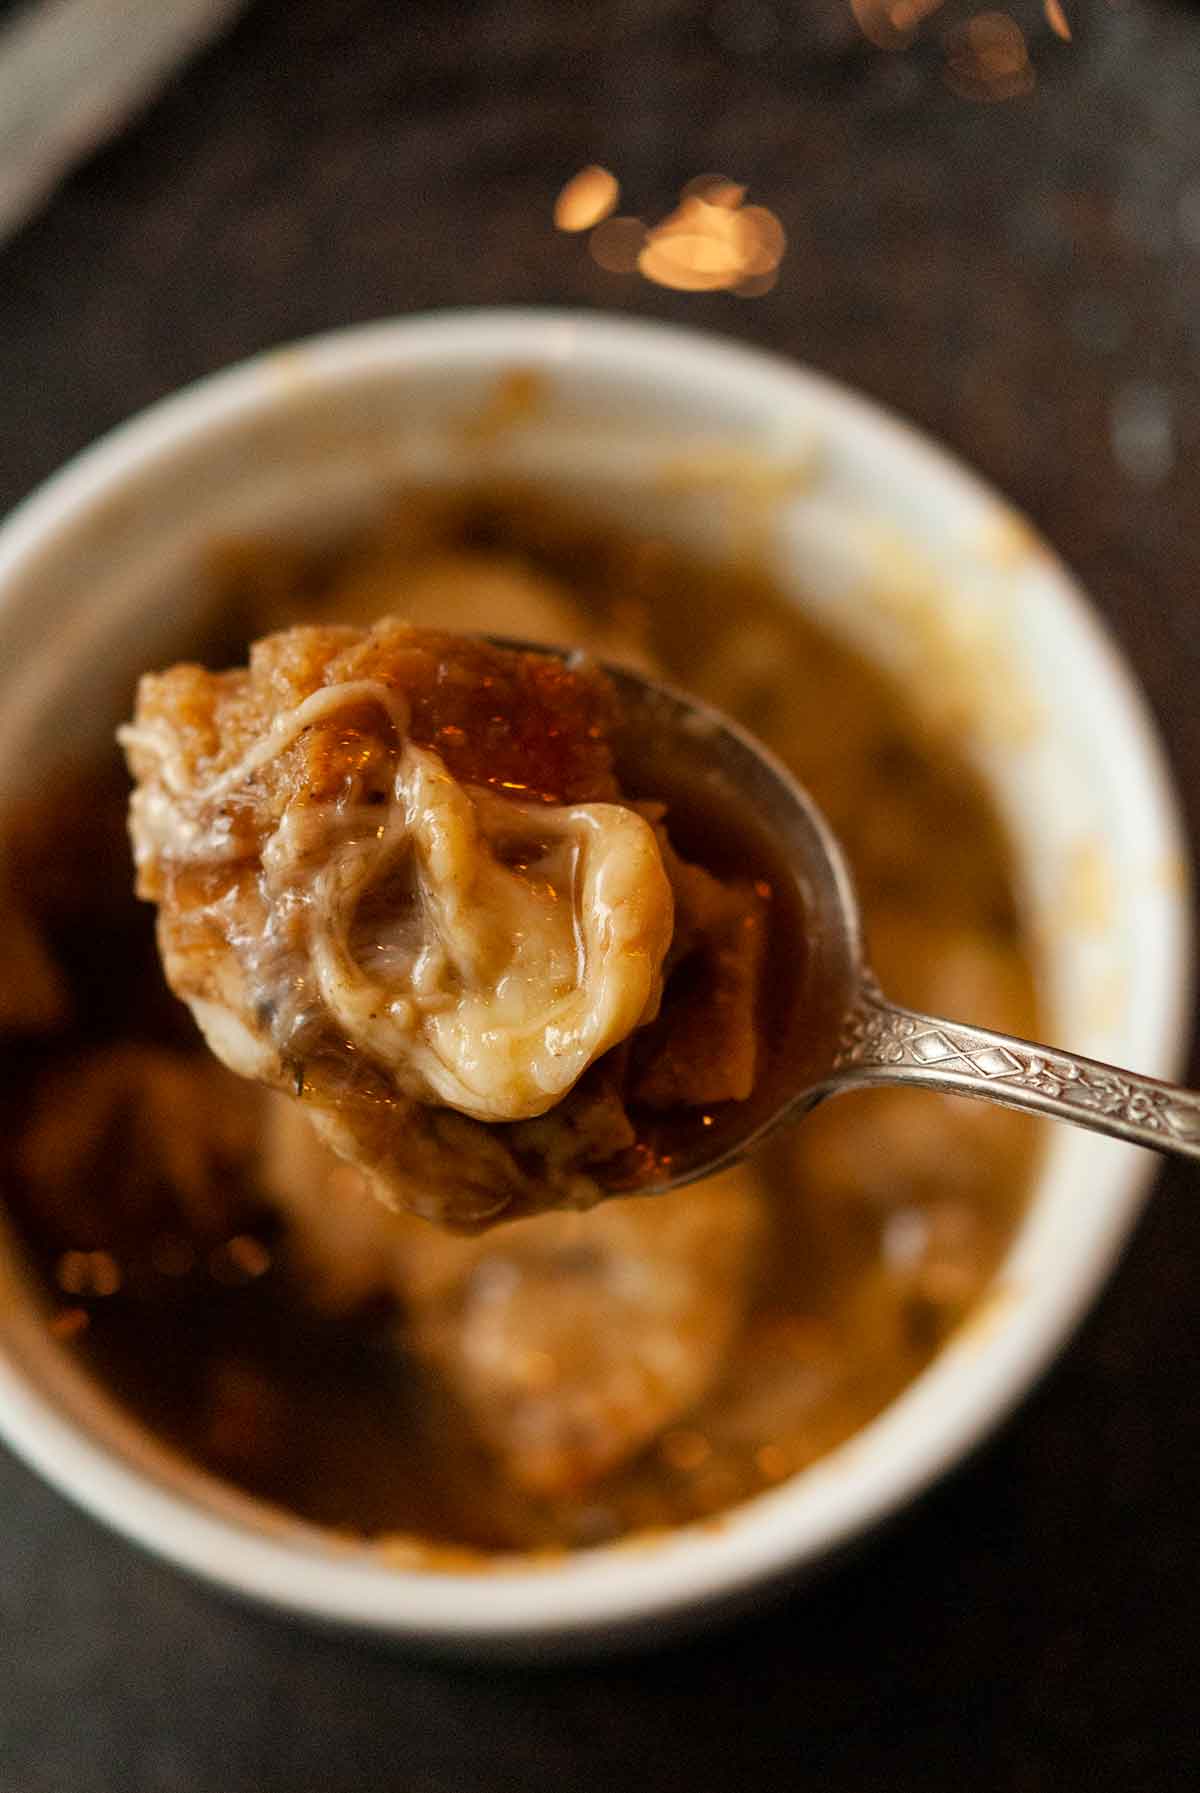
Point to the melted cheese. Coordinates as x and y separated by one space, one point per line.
484 951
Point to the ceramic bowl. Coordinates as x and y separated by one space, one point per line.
895 544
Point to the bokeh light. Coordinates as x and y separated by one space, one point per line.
588 196
987 58
712 241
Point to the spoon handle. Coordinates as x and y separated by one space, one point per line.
884 1043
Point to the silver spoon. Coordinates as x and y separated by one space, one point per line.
845 1033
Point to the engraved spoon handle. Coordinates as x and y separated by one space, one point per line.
884 1043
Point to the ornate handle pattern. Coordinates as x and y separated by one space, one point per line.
882 1043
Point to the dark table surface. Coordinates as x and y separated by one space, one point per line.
1024 280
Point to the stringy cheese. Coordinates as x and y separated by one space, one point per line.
483 950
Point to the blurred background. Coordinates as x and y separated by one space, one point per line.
989 220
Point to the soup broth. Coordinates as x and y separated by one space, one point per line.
133 1165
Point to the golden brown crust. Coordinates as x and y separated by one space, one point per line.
522 723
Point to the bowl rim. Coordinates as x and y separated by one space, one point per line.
592 1593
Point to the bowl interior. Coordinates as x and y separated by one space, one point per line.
103 574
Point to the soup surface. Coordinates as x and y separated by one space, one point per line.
649 1363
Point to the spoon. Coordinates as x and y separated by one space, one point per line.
844 1032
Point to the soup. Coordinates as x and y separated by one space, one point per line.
635 1368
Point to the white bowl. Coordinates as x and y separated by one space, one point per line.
892 541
